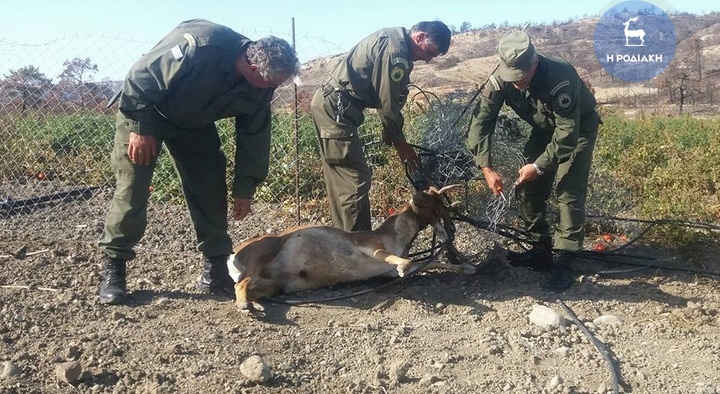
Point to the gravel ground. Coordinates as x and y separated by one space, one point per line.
434 332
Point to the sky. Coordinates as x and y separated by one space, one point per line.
45 33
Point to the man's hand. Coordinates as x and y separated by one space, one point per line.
527 173
141 149
241 208
493 179
407 156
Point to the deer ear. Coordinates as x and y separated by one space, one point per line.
413 204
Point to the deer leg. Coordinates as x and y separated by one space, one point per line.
401 263
241 298
251 289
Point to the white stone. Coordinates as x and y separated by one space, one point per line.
546 317
607 320
255 370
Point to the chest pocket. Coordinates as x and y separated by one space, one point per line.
543 113
517 100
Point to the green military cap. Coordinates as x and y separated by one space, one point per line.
516 55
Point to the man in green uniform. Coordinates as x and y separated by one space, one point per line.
548 94
374 74
199 73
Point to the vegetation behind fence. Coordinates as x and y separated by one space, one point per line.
56 137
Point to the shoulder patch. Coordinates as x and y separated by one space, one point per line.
564 100
559 86
399 61
397 73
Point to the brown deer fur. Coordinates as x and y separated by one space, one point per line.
309 257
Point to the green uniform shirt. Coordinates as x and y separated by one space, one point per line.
555 103
189 79
377 73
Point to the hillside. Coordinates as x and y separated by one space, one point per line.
472 57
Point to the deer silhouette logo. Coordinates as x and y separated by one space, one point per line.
640 33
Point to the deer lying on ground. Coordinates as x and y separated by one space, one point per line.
310 257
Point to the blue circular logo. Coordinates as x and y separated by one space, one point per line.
635 41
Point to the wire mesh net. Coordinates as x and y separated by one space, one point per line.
57 134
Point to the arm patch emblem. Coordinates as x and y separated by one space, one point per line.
564 100
397 73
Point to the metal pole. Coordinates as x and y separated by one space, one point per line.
296 125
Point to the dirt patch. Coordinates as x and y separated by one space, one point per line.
434 332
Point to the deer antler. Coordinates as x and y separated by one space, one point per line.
448 187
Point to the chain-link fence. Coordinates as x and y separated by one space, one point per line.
56 136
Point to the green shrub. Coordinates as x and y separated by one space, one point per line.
648 168
670 166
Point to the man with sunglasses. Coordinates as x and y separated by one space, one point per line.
199 73
374 74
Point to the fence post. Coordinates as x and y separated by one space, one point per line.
296 126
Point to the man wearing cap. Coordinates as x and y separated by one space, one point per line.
548 94
374 74
200 72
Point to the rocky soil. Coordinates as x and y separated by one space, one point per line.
432 333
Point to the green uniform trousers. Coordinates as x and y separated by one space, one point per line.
201 166
347 174
572 183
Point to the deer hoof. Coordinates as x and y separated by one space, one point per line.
242 306
402 269
468 269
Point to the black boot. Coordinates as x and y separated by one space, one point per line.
215 278
562 275
538 258
112 288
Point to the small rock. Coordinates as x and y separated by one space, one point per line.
72 352
9 370
554 382
286 366
398 371
607 320
255 370
174 349
68 372
428 379
705 388
562 351
602 389
21 252
546 317
117 316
